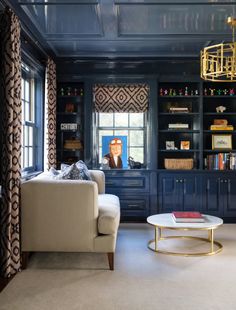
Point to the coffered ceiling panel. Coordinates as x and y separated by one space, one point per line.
134 28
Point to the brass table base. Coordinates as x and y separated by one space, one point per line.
153 244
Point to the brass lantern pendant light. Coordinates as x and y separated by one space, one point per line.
218 62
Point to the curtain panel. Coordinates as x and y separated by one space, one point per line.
51 98
130 98
10 173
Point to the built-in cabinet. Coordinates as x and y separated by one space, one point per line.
179 127
179 192
70 123
219 195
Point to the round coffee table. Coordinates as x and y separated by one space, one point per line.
166 221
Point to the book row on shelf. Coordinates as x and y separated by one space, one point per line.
221 161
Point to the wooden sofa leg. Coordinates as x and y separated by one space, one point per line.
25 259
111 260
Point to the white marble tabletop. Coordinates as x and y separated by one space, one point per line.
165 220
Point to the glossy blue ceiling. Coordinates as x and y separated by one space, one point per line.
117 28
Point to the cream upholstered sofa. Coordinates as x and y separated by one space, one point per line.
68 216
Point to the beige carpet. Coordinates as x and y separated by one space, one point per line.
142 279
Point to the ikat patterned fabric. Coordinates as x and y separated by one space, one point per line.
130 98
10 161
51 113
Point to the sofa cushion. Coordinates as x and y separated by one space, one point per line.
109 214
77 171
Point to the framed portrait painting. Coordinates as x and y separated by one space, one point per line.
114 150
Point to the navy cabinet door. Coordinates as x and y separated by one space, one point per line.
213 195
180 193
220 196
230 197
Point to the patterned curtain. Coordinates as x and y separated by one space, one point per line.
10 175
51 113
130 98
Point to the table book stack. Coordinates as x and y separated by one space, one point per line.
187 217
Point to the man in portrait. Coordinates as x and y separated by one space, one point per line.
115 152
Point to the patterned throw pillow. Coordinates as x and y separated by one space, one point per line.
83 170
53 172
78 171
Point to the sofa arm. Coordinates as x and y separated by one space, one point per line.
98 176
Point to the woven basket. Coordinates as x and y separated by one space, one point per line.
179 163
73 144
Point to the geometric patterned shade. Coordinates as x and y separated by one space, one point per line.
128 98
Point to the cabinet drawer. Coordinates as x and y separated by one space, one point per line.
120 184
134 206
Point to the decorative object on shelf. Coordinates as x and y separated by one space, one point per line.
69 126
62 92
174 92
73 144
161 92
219 91
222 142
220 109
170 145
134 164
186 91
179 110
218 62
178 126
184 145
178 163
170 92
205 91
75 92
69 108
231 92
212 91
165 92
68 91
105 164
180 92
225 92
196 92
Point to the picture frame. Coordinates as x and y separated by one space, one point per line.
184 145
114 149
170 145
221 142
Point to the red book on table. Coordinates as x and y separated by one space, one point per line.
185 217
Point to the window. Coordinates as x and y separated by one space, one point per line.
121 110
132 125
31 95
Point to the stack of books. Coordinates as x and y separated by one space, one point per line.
177 126
187 217
179 109
222 127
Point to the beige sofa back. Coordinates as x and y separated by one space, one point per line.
59 215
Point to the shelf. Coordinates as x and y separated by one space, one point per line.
66 113
174 97
219 151
215 96
72 97
220 114
175 114
178 151
220 131
69 150
178 130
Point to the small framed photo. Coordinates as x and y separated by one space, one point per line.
170 145
221 142
184 145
